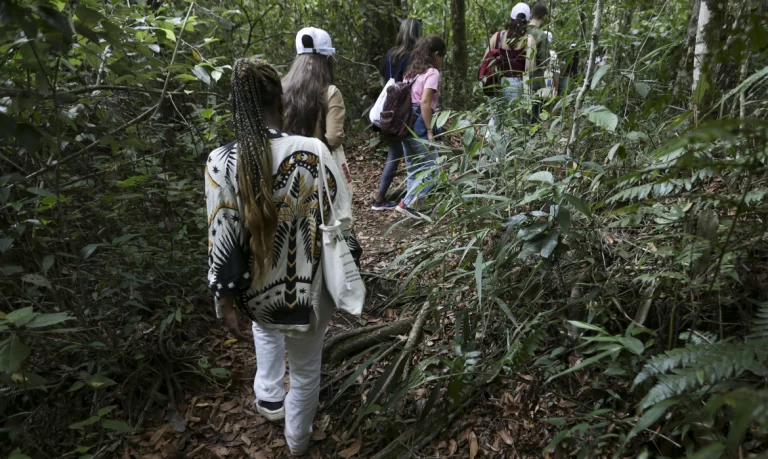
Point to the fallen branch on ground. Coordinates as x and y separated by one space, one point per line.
336 351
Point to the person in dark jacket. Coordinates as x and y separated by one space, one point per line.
394 66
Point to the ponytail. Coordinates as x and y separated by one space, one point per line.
256 85
518 27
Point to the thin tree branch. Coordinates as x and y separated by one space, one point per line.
90 146
173 57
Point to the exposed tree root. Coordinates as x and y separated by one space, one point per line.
354 341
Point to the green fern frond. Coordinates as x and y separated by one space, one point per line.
761 322
701 365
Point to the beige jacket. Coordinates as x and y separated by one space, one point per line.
333 131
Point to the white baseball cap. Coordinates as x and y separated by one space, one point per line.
521 8
321 42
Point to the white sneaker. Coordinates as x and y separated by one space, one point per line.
272 411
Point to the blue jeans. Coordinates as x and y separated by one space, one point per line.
419 161
394 156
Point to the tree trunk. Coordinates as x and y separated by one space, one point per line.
706 51
382 28
684 79
587 75
459 47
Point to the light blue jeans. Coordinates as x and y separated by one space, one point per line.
420 161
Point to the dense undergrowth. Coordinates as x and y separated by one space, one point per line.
629 270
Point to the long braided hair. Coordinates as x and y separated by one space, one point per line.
256 86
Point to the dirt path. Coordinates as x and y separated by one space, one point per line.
221 421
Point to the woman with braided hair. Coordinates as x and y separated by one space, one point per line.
264 246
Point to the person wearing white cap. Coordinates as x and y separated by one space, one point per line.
314 107
511 45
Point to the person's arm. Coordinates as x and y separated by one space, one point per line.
334 120
426 111
228 272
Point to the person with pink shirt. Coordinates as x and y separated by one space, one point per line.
424 75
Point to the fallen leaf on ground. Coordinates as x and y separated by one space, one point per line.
352 450
157 435
506 437
177 421
472 445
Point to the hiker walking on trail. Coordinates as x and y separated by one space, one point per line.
393 67
423 75
537 56
264 246
512 45
314 106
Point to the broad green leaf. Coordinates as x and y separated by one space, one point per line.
586 326
222 373
642 89
505 307
185 77
541 176
99 381
45 320
712 451
23 379
88 250
106 410
550 244
201 74
12 354
599 73
16 454
21 316
170 35
556 440
588 362
47 263
559 422
634 345
651 416
579 205
208 113
116 425
36 279
90 421
602 117
216 75
5 244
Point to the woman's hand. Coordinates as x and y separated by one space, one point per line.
232 318
430 135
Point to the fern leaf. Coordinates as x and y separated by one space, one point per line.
761 322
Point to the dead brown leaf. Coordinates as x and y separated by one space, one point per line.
506 437
318 435
352 450
157 435
228 406
453 448
472 445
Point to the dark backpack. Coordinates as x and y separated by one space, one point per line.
397 115
489 72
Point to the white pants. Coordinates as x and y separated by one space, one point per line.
304 355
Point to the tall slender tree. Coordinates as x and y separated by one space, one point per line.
459 48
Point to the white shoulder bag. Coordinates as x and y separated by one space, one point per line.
375 114
340 273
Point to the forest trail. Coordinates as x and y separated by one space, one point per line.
221 422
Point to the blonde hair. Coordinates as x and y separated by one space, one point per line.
255 86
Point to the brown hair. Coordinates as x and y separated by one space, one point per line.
255 87
304 96
423 57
